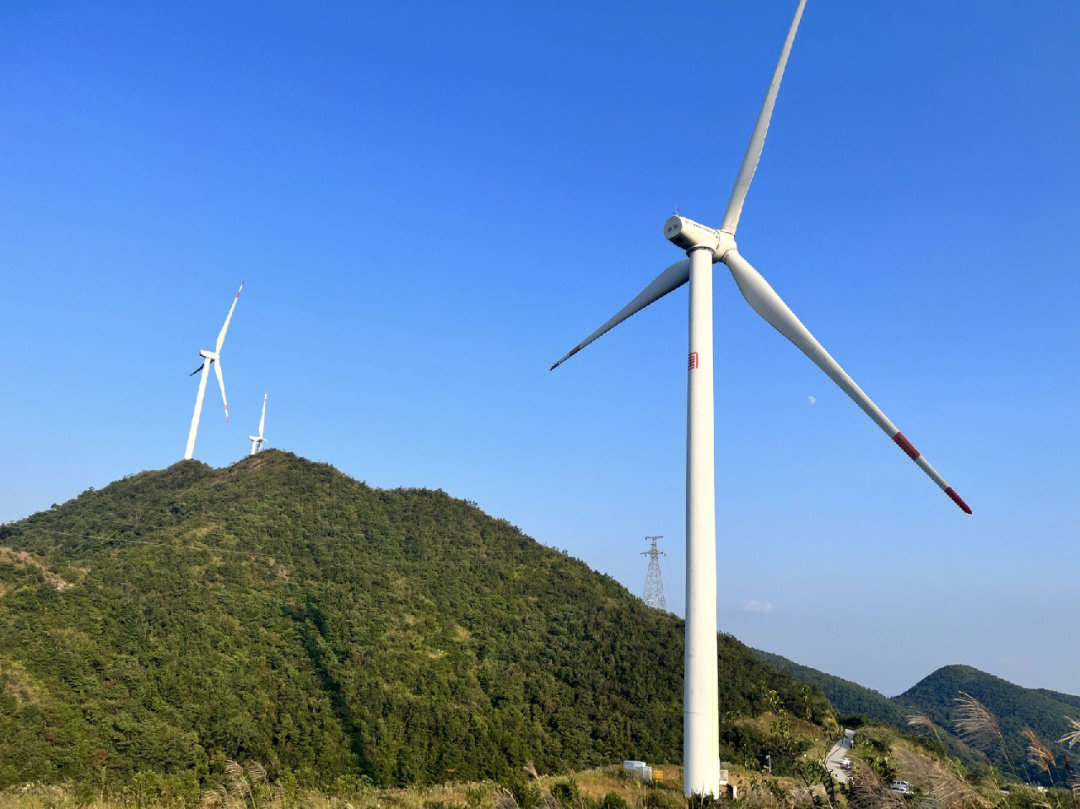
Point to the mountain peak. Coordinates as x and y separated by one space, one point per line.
278 610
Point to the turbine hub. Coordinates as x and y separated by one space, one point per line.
691 235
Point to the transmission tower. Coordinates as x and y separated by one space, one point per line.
654 586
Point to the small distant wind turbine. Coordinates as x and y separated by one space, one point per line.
705 247
257 440
210 358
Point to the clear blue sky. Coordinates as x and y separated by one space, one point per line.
433 202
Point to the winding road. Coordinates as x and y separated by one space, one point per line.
837 752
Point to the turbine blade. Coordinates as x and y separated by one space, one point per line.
225 328
670 279
764 300
197 369
221 384
757 139
262 419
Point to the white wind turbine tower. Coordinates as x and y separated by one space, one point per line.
705 247
210 358
257 440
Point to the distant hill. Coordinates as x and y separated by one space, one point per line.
1014 707
847 698
278 611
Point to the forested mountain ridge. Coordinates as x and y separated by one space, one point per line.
1013 707
847 697
279 611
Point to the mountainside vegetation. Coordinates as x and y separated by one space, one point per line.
849 699
279 612
1017 723
934 709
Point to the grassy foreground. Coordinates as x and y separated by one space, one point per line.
880 756
606 788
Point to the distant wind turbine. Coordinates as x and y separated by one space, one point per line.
257 440
705 247
210 358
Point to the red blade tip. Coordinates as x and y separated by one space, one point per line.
958 500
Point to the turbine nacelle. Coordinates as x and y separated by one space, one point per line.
210 355
257 440
691 235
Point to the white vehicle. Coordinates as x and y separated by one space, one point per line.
903 787
845 763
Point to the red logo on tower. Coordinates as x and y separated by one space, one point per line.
693 360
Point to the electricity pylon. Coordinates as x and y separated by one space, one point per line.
654 586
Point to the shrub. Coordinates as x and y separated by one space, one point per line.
565 792
663 799
613 800
526 795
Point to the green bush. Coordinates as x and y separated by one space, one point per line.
526 794
565 792
613 800
664 799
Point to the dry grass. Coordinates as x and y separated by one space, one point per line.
922 720
20 685
975 724
24 559
1072 737
941 781
868 791
1038 753
246 787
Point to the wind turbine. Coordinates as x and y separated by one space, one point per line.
210 358
257 440
706 246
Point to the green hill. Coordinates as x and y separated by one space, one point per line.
278 611
1014 709
848 699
